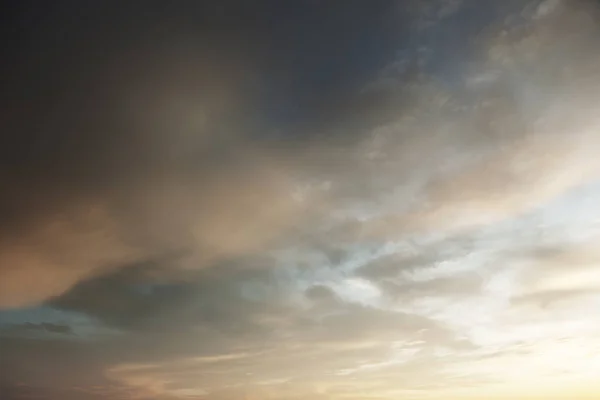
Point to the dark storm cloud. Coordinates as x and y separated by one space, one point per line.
131 131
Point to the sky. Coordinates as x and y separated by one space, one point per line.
267 200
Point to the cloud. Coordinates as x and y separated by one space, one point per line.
233 211
151 141
177 165
44 327
425 236
148 178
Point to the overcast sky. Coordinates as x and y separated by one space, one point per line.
290 200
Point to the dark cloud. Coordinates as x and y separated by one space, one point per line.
146 130
42 328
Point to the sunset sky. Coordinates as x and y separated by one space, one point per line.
300 199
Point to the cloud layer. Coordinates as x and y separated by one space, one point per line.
200 208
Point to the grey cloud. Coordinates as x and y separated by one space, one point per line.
231 334
392 266
54 328
216 302
44 327
149 138
289 343
321 294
